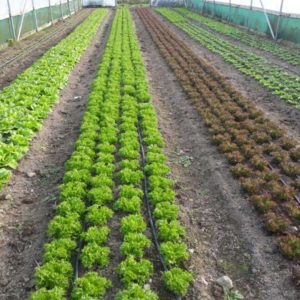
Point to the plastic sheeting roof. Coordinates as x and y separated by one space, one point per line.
17 6
289 6
99 2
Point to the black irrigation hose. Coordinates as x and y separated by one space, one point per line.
150 217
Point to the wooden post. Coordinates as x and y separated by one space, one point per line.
50 10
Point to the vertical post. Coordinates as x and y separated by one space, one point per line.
229 19
34 15
69 7
214 8
267 19
278 20
202 8
11 21
61 11
22 20
50 10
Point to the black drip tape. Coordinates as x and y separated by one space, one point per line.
149 211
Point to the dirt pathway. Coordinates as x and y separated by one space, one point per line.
27 203
17 58
225 234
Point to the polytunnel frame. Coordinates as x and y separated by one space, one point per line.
16 35
273 31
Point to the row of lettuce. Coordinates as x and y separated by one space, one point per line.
280 82
103 186
288 54
28 100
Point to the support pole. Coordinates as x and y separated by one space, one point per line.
34 15
61 11
267 19
22 20
214 8
229 11
202 8
278 20
69 7
11 21
50 10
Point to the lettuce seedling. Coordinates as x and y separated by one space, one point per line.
134 292
100 195
53 294
177 281
135 244
131 205
70 206
132 271
60 249
54 274
98 215
133 223
90 286
166 211
93 254
174 253
64 227
170 231
98 235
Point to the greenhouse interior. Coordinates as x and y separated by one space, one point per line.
149 149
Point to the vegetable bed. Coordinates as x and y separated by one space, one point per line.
281 83
119 148
263 158
29 99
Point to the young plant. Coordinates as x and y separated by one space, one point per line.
90 286
177 281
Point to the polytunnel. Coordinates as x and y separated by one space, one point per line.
149 149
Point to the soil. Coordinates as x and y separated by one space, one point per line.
28 202
281 113
24 53
225 235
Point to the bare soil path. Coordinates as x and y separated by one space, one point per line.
225 234
18 57
27 203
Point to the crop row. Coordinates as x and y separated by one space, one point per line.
102 184
28 100
287 54
250 142
281 83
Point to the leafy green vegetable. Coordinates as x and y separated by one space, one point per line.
134 292
135 244
54 274
132 271
90 286
133 223
98 235
177 281
93 254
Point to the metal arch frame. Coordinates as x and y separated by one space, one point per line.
274 32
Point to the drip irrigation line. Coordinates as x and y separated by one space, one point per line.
150 217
